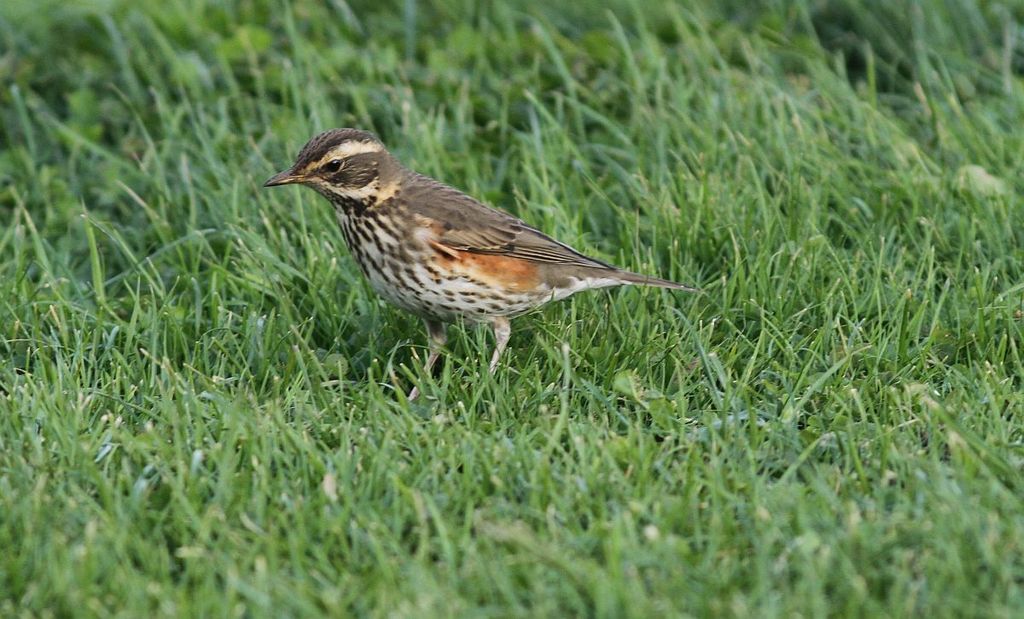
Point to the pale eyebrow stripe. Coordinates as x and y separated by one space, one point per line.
347 149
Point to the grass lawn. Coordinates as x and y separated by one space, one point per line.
201 409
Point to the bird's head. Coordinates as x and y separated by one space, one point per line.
349 164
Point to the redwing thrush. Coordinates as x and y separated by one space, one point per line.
436 252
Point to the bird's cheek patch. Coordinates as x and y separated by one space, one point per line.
387 192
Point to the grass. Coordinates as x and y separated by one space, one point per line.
201 408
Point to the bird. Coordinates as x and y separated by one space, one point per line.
436 252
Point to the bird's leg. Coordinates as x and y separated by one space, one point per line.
437 335
502 331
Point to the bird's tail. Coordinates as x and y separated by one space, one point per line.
646 280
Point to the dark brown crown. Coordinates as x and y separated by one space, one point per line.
319 144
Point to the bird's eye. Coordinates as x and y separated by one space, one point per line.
332 166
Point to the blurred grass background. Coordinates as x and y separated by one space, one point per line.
200 409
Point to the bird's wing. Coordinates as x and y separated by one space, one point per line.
466 224
516 239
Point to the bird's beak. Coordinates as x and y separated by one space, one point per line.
283 178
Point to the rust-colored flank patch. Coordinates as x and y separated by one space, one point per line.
506 272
